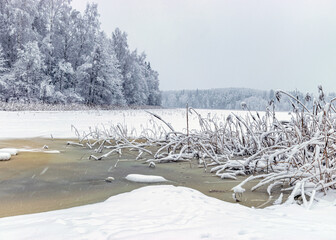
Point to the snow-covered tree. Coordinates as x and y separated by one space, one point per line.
3 79
3 65
100 77
139 81
53 53
135 85
63 74
28 72
154 94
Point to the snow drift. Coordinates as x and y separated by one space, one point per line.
168 212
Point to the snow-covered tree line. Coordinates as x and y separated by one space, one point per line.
52 53
230 98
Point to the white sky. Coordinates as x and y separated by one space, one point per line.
261 44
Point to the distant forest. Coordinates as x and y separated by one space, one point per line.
232 99
52 53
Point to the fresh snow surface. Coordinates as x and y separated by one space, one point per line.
38 150
51 151
14 151
145 178
11 151
5 156
58 124
168 212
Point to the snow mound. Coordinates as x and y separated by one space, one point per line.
145 178
4 156
168 212
39 150
52 151
109 179
11 151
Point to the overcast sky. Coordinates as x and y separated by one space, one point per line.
270 44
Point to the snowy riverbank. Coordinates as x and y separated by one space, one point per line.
168 212
155 212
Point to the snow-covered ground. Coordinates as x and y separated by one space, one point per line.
155 212
168 212
43 124
6 153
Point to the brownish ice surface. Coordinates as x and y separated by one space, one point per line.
37 182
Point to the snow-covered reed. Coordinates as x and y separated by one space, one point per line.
297 155
39 106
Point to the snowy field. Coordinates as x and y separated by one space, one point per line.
58 124
155 212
